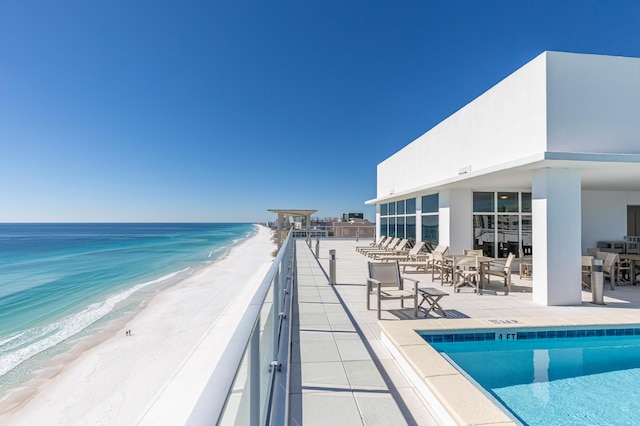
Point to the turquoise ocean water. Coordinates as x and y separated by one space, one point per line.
60 283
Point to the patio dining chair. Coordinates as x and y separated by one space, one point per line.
441 266
586 272
503 272
526 265
609 267
466 272
386 283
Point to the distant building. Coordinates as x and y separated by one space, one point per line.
346 217
360 228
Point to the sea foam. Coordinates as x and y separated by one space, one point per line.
18 348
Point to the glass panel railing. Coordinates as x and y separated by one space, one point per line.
240 390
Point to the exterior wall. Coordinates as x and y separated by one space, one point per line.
456 219
604 217
593 103
505 123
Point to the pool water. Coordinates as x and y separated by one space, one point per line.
546 378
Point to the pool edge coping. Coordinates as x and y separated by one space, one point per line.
437 381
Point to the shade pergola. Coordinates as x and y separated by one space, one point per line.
282 213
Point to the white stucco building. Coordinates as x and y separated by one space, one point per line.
547 160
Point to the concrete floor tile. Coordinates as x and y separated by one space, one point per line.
379 409
364 374
313 318
318 351
317 376
329 409
351 350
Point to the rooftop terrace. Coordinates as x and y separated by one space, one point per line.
350 368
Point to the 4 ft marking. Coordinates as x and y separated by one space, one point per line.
506 336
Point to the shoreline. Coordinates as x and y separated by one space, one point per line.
120 374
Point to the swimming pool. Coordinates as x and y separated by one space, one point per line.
555 376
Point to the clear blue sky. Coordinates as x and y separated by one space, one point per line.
218 111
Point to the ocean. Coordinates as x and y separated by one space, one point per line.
61 283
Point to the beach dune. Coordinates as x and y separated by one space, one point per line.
121 379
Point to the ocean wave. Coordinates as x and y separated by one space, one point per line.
22 346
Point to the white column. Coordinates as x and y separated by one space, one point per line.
455 209
377 221
556 198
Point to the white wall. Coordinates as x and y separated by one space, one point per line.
455 219
505 123
604 217
593 103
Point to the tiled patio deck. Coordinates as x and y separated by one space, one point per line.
344 374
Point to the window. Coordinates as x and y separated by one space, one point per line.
502 223
400 230
508 202
483 202
398 219
410 227
526 202
411 206
430 219
430 229
430 204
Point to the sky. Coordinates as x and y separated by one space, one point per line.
216 111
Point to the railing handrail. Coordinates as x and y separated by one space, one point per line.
213 399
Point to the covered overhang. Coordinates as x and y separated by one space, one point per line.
611 172
291 212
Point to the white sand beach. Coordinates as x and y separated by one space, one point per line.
117 380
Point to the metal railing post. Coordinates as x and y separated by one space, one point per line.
318 248
332 267
254 376
277 284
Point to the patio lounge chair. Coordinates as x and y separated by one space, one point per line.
421 260
389 242
374 244
503 272
400 247
400 252
414 251
386 282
